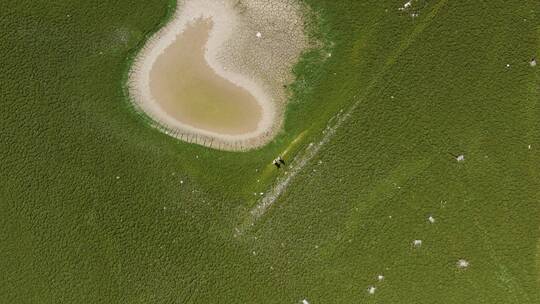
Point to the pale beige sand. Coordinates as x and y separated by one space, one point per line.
253 44
189 90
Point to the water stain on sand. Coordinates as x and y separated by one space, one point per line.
189 90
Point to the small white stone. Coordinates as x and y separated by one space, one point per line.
529 147
261 193
380 277
533 63
371 289
417 243
462 263
118 177
508 65
431 219
304 301
259 35
181 182
460 158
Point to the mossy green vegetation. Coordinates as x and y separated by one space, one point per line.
96 206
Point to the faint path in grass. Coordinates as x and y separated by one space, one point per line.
507 279
299 163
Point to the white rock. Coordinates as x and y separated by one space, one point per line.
533 63
417 243
380 277
431 219
259 35
460 158
462 263
371 289
304 301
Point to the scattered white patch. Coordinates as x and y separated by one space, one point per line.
262 193
533 62
414 15
406 5
462 264
181 182
259 35
417 243
460 158
304 301
431 219
380 277
508 65
371 289
118 177
529 147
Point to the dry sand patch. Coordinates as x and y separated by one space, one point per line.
249 53
189 90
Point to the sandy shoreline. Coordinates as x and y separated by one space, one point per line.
253 44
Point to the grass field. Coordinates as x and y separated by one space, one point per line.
98 207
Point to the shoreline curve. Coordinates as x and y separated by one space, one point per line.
227 36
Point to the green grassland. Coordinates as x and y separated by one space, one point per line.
98 207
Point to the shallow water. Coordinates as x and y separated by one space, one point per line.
189 90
